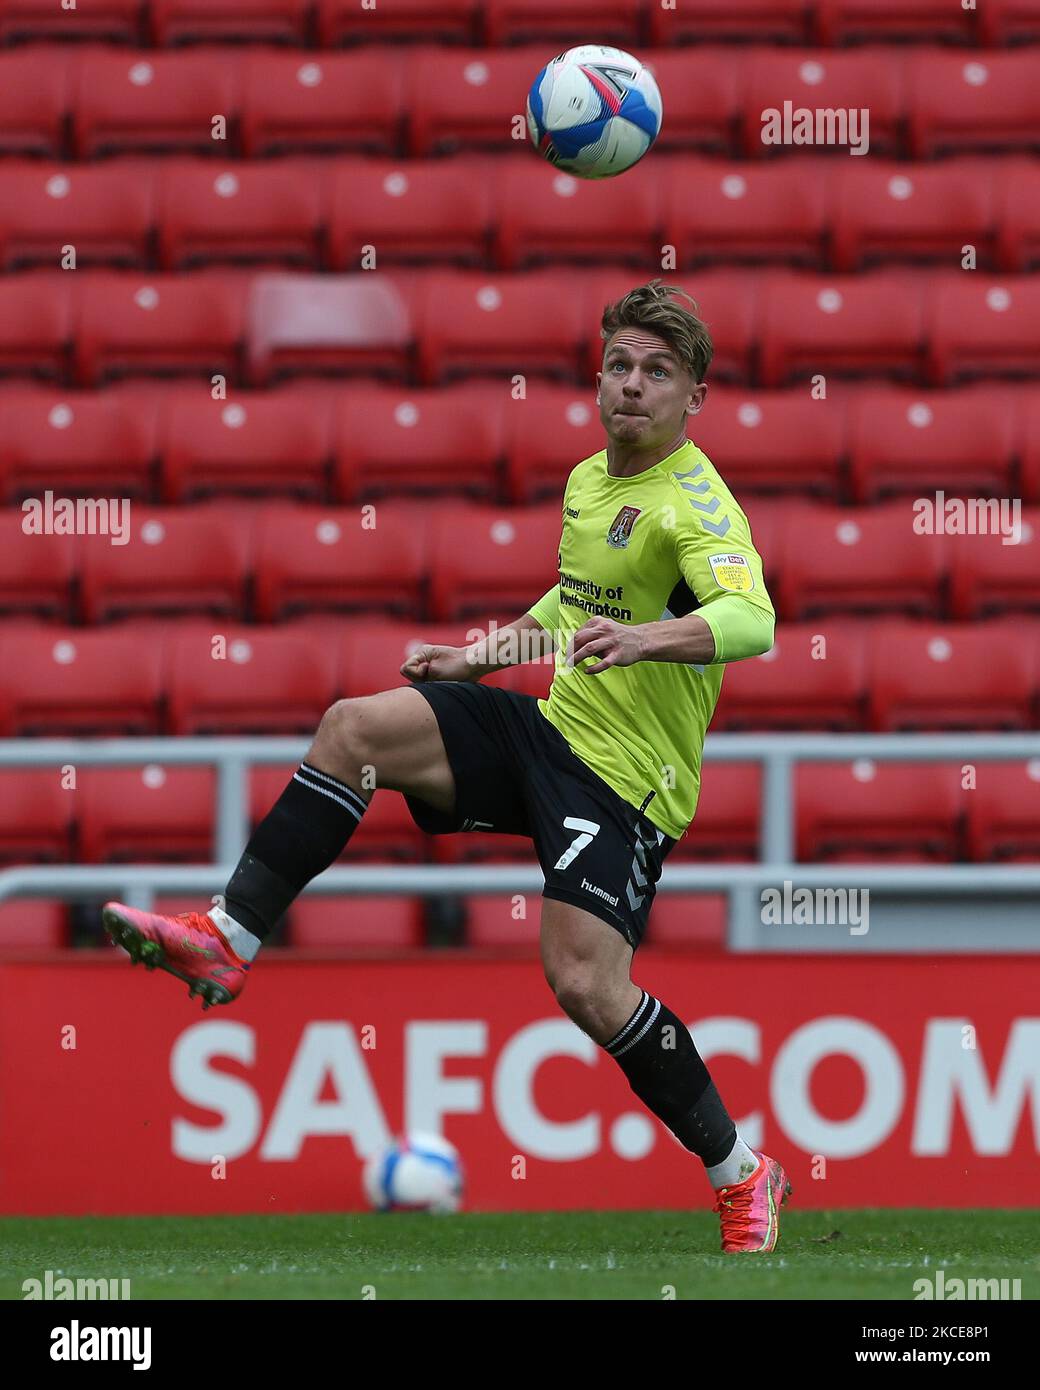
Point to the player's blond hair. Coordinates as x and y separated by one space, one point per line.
652 307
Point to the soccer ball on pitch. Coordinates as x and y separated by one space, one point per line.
420 1172
593 112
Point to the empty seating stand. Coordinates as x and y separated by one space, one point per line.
333 331
148 814
1003 812
320 923
866 810
66 681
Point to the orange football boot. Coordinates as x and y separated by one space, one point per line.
750 1210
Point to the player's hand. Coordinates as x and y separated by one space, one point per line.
613 643
435 663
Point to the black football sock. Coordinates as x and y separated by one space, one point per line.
656 1053
302 834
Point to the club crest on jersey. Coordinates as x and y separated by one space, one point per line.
621 527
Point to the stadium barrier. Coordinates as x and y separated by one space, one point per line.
912 908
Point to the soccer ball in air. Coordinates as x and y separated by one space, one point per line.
420 1172
593 112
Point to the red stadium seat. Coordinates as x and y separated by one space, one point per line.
36 924
773 440
700 90
1030 449
1010 21
36 816
1013 397
176 560
36 570
509 920
823 80
742 212
561 21
194 21
150 814
964 101
254 442
238 212
36 322
768 515
726 823
76 442
1017 212
981 326
386 832
726 299
322 323
489 561
65 681
989 577
926 676
104 213
903 440
371 652
885 211
866 810
551 430
34 98
1004 812
311 559
144 100
319 922
812 678
442 21
396 440
764 21
841 325
473 322
420 211
864 560
547 216
845 21
688 922
322 102
468 98
113 20
257 682
134 325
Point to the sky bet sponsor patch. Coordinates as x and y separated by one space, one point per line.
732 572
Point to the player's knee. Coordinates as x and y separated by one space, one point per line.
579 989
343 728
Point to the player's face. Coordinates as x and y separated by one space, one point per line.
644 390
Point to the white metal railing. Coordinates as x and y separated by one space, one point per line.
910 895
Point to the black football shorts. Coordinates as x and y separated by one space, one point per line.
515 774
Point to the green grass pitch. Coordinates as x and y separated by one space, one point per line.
533 1255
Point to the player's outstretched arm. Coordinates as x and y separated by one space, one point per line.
726 629
522 640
